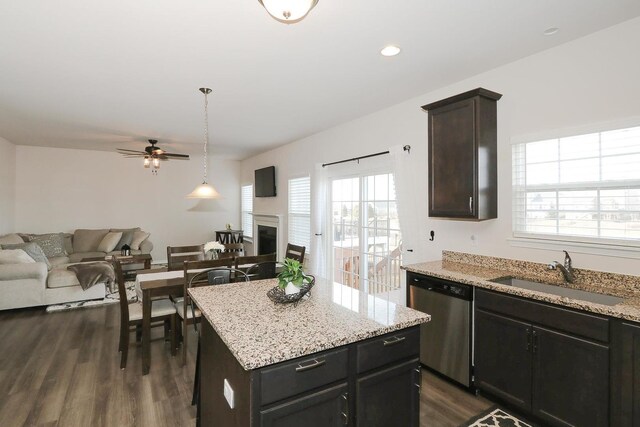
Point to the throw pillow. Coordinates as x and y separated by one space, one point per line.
109 241
33 250
11 239
138 238
52 244
15 256
127 236
87 240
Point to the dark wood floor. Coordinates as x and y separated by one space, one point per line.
62 369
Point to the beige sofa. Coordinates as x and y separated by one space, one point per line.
34 284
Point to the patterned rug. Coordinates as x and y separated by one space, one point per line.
496 417
110 298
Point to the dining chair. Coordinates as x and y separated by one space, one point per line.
162 311
232 250
263 270
248 264
208 277
295 252
177 255
182 304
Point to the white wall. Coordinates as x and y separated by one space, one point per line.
7 186
62 189
587 81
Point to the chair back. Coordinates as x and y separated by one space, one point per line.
254 259
177 255
236 248
122 291
192 268
295 252
263 270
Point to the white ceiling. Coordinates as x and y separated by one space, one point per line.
106 74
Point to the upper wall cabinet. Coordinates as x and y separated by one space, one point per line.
463 181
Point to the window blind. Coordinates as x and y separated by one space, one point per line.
246 209
582 188
300 212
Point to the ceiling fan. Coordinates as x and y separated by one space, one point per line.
152 155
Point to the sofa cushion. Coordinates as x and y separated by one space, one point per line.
60 277
79 256
11 239
127 236
138 238
68 243
58 260
15 256
52 244
34 270
109 241
87 240
33 250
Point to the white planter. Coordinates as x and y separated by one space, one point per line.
291 289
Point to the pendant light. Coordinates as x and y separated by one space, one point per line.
288 11
204 190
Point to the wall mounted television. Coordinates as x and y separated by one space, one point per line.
265 182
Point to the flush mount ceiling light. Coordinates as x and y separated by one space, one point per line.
550 31
204 190
390 50
288 11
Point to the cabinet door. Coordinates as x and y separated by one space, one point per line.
325 408
570 380
629 387
389 397
503 358
452 160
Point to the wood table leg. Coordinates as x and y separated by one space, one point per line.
146 331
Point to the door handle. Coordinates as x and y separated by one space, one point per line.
315 363
345 412
471 204
418 383
535 342
393 341
528 339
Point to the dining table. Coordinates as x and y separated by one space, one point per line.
148 287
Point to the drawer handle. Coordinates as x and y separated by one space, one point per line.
345 413
393 341
314 364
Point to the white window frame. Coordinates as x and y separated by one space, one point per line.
291 216
626 248
246 214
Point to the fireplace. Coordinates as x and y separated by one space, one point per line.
267 234
267 240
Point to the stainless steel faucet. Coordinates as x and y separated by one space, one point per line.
566 269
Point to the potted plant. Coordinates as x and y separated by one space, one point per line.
211 249
291 278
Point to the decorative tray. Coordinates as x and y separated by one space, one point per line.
278 295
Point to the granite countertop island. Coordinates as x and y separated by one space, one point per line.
259 332
479 270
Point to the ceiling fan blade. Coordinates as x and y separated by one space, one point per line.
176 156
132 156
125 151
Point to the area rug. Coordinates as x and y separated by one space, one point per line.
496 417
110 298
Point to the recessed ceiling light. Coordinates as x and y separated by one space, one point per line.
390 50
550 31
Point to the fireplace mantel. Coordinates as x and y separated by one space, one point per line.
269 220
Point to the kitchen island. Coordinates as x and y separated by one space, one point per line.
339 357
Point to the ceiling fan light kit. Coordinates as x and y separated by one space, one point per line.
152 155
288 11
205 190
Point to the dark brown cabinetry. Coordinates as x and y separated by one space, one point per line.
463 180
375 382
628 363
527 357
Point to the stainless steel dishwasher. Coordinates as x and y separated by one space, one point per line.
445 341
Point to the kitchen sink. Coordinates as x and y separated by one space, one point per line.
558 290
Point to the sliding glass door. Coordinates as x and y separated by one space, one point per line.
366 239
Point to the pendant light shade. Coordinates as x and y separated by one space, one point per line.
205 190
288 11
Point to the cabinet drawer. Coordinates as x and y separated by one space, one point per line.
302 375
567 320
387 349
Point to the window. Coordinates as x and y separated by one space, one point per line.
584 188
246 208
366 244
300 212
